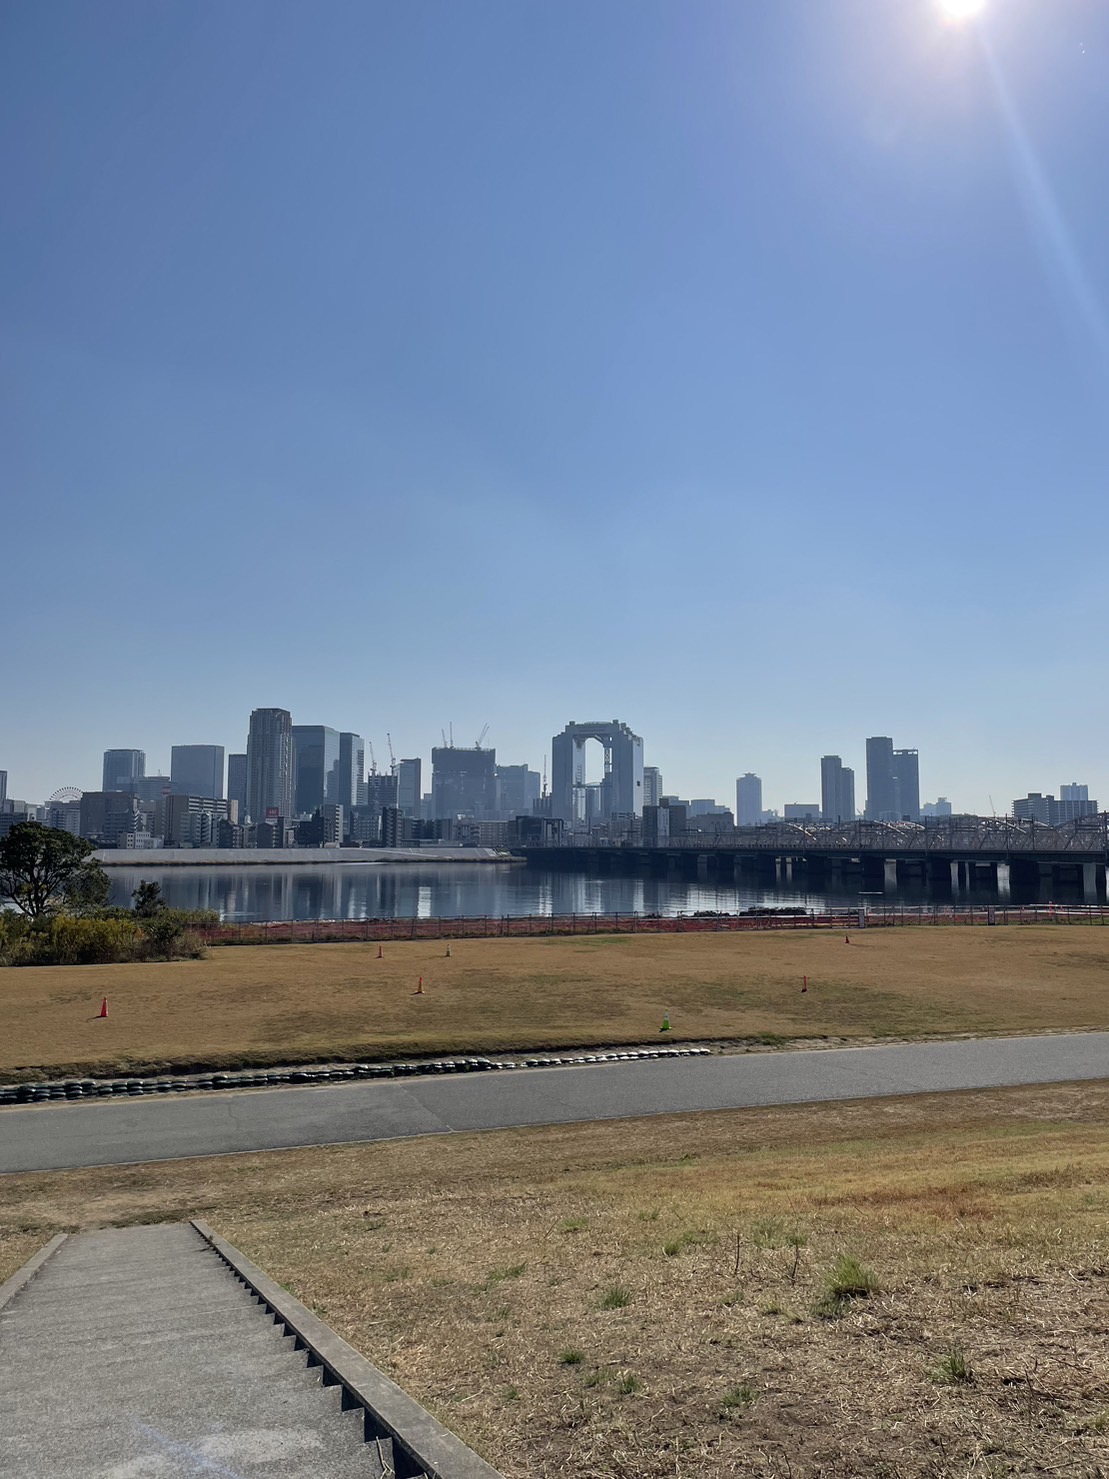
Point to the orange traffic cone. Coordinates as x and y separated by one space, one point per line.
104 1007
419 991
804 983
847 939
380 954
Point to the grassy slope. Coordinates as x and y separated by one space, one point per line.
477 1270
269 1004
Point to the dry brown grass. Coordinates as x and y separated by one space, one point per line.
268 1004
475 1269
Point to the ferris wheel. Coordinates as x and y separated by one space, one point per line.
64 794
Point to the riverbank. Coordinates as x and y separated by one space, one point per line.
284 857
253 1006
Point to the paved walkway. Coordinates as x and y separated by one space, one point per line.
52 1137
136 1354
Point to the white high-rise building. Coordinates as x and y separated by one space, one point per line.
748 800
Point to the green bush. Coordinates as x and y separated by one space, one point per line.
107 938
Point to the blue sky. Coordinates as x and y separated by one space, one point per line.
737 370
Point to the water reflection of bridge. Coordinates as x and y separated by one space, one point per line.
965 852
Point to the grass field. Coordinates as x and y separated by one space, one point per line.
647 1299
268 1004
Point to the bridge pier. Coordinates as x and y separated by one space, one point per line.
1004 883
1089 883
889 875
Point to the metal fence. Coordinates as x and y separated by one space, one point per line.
309 931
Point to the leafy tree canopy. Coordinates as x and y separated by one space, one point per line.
147 899
39 864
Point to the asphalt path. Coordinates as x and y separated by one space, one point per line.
124 1132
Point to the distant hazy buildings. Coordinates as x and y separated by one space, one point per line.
269 765
652 785
464 782
1074 801
837 790
517 790
802 811
892 782
3 787
107 817
197 770
122 769
941 807
748 800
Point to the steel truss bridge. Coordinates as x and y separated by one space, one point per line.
1085 838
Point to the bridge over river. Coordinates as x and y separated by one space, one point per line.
967 852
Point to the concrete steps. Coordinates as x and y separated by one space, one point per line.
136 1354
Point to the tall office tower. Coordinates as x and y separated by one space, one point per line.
197 770
315 767
106 816
1073 792
464 783
837 790
122 768
517 791
409 787
352 770
652 785
906 776
621 791
3 786
881 781
1074 801
748 800
269 765
236 782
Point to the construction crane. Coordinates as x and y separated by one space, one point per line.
373 762
481 736
392 757
443 732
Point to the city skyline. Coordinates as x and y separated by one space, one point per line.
715 366
351 753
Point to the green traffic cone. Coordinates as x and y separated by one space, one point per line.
665 1022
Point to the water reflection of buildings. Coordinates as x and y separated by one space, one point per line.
371 891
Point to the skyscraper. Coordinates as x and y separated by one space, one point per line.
197 770
352 769
464 783
881 785
906 777
748 801
269 765
236 782
315 767
122 768
409 787
652 785
517 791
837 790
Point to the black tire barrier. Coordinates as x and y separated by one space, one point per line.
89 1088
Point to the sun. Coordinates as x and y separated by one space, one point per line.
961 10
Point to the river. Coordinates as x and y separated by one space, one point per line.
405 891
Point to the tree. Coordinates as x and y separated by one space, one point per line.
39 864
88 892
147 899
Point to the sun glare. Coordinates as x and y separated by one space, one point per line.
961 10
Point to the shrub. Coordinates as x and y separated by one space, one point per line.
615 1298
64 940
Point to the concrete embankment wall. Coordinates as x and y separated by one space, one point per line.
238 857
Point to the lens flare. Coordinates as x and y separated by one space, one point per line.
961 10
